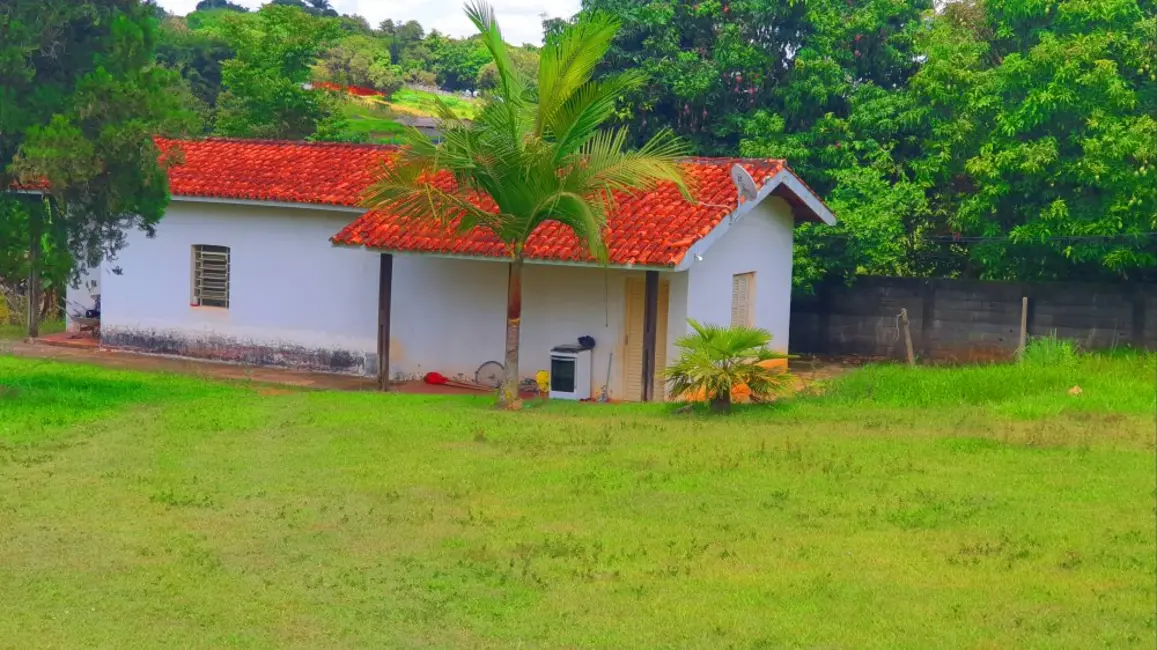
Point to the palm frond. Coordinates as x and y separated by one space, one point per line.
481 13
714 360
568 62
407 191
586 110
537 162
605 163
585 217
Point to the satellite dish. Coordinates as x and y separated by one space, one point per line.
744 182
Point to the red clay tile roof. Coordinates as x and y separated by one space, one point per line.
654 228
272 170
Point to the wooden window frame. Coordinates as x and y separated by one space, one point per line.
750 298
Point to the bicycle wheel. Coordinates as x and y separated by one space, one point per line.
490 374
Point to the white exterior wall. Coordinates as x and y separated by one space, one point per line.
759 241
676 311
291 293
297 300
449 316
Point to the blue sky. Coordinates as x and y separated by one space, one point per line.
520 19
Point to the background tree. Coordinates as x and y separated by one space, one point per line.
552 27
537 160
1063 174
457 62
356 25
265 94
999 139
196 55
321 8
360 61
209 5
82 99
524 59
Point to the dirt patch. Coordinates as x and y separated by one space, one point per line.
811 373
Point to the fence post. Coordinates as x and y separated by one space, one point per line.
907 337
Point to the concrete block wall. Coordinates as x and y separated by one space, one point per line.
969 320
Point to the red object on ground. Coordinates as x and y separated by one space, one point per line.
360 91
436 378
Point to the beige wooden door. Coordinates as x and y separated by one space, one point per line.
633 343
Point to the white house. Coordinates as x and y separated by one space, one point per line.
264 258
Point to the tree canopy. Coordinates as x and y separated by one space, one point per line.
265 93
82 99
1006 139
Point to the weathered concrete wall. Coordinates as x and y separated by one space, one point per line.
969 320
294 300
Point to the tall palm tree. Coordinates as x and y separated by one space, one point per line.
530 156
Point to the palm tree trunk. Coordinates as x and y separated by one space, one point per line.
721 403
508 392
35 231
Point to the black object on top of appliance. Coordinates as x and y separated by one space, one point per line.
570 347
587 342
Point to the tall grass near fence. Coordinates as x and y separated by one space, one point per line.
1053 378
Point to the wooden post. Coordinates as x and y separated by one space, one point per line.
907 337
385 291
650 328
1023 327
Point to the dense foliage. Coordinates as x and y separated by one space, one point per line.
265 84
360 60
1002 139
81 98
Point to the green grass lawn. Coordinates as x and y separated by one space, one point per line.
377 120
420 102
371 119
946 508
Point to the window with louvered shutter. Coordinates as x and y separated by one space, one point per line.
210 276
742 295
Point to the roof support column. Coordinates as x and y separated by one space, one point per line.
385 291
650 328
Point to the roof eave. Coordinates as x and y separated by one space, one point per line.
784 184
494 258
333 207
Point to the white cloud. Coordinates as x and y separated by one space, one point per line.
521 20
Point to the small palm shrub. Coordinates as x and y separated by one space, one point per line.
714 360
